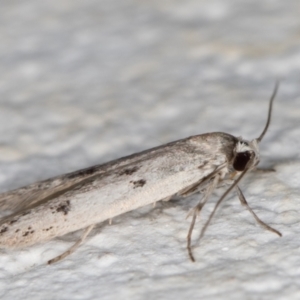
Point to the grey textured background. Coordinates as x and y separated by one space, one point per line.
83 82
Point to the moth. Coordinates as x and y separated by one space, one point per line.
79 200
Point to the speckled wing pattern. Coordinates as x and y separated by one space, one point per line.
73 201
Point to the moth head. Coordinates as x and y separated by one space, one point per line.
245 155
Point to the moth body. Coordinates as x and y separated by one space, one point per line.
115 188
79 200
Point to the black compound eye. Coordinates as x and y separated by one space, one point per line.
241 160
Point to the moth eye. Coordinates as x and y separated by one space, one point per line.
240 161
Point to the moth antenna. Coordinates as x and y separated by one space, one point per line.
270 112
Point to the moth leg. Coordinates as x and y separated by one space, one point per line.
258 220
196 210
74 247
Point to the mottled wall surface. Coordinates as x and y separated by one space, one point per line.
83 82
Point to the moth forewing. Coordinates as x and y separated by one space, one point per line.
81 199
124 185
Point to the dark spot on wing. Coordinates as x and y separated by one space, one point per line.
12 222
28 232
82 173
17 230
129 171
138 183
47 229
203 164
64 207
4 229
